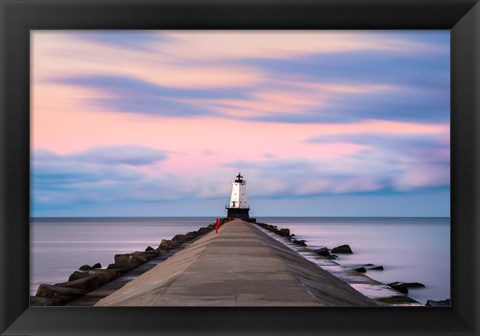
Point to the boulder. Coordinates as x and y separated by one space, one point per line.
404 286
371 267
299 242
42 301
126 258
284 232
442 303
149 254
85 267
134 258
149 248
191 235
59 292
399 286
203 230
87 283
77 275
180 238
415 285
167 245
323 251
332 257
97 265
105 275
342 249
122 268
360 269
164 244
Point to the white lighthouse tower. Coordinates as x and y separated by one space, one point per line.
238 207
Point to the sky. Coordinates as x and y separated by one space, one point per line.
319 123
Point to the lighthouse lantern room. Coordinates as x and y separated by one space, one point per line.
238 207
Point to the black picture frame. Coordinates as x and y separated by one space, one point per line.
18 17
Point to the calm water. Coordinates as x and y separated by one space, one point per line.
410 249
59 246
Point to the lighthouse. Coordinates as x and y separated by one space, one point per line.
238 207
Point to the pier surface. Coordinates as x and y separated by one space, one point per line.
238 266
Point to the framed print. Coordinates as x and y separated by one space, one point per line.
130 131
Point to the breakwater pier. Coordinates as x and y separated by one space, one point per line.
238 266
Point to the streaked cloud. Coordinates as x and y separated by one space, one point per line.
169 117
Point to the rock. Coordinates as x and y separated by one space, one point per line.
323 251
404 286
167 245
371 267
149 254
399 286
125 259
164 244
122 268
415 285
59 292
332 257
360 269
77 275
104 275
149 248
42 301
87 283
191 235
97 265
179 239
134 258
270 227
84 267
299 242
342 249
442 303
203 230
284 232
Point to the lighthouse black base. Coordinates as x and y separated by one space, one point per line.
238 213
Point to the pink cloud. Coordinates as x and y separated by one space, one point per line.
293 96
199 59
208 45
58 54
423 175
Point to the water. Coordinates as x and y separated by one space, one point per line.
60 246
410 249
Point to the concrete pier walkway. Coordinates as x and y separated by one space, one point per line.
238 266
